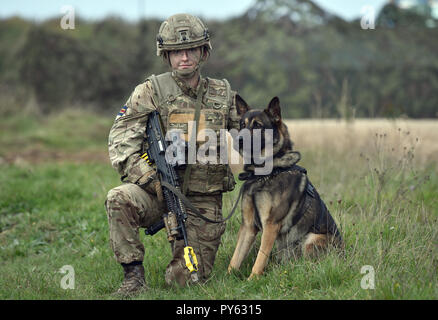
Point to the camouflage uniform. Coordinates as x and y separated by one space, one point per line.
134 204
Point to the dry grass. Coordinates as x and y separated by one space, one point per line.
334 139
360 136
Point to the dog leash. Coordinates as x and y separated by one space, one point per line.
242 176
195 210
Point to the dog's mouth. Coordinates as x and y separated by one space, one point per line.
256 145
259 130
244 147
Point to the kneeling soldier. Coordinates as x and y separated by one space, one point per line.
183 42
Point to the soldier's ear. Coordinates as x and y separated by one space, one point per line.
205 54
241 105
274 110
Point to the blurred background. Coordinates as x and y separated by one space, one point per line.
358 84
323 58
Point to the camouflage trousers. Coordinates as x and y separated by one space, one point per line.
129 207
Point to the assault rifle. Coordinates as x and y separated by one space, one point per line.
176 215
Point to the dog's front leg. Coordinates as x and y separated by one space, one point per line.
270 233
246 236
245 240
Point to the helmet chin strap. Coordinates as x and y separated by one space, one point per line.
186 74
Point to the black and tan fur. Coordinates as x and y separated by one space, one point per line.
284 205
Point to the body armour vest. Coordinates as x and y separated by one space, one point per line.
177 109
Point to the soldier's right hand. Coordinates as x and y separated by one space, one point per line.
147 178
150 183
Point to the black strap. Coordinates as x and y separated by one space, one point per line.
194 132
195 210
250 175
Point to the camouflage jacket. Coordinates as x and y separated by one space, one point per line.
171 97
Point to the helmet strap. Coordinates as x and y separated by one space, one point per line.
187 74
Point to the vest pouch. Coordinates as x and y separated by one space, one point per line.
205 179
179 119
228 182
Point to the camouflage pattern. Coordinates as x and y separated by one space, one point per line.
135 205
182 31
128 132
129 208
176 104
171 98
203 236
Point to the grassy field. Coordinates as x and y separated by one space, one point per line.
378 178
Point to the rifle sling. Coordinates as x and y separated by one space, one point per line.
182 196
199 95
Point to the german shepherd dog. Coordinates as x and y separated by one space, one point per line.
284 205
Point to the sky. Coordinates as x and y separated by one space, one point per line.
134 9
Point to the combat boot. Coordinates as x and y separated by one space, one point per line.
133 282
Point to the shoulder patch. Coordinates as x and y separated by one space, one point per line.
122 112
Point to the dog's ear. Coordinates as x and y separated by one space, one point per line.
273 110
241 105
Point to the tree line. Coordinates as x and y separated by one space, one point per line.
317 64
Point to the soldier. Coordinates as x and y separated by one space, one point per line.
183 42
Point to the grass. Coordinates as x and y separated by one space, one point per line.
52 214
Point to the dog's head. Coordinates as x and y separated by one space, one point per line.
269 118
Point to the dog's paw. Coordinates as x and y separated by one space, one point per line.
231 269
254 276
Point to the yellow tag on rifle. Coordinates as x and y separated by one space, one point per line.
146 157
191 260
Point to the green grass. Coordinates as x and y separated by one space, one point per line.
53 215
70 130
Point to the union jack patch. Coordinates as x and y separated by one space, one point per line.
122 111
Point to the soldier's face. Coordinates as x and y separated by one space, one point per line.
185 59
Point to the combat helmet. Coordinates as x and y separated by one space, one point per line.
182 31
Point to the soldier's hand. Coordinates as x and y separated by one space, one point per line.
149 182
147 178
